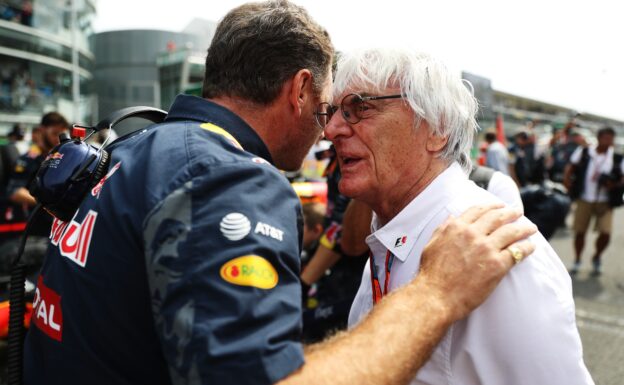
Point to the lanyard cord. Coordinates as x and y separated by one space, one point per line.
377 293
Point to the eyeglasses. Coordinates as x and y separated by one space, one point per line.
352 107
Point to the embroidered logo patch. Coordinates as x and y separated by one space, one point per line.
250 270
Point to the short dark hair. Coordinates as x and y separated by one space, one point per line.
54 119
490 137
16 132
258 46
606 131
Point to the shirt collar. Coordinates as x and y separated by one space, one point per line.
401 233
593 151
187 107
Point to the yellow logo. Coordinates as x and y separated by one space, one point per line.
220 131
250 270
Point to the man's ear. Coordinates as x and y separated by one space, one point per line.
300 90
436 143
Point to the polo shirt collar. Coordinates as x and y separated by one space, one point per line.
401 233
187 107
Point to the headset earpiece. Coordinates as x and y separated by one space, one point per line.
67 174
74 167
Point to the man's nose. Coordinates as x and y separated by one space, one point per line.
336 127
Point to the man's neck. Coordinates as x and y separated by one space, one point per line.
602 150
389 207
261 118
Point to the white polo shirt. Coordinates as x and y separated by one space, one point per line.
524 333
503 187
598 164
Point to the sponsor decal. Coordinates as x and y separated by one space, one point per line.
400 241
47 313
269 231
95 191
250 270
220 131
55 155
54 159
235 226
73 239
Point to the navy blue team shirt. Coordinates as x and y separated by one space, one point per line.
181 265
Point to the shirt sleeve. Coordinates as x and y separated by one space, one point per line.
222 255
525 332
575 158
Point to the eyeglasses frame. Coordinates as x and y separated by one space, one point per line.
318 108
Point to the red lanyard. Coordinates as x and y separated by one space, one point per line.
377 293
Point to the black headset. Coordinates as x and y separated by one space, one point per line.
73 167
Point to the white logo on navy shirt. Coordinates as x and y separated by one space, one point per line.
235 226
269 231
73 238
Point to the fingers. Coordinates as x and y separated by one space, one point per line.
510 233
475 212
495 218
524 248
465 260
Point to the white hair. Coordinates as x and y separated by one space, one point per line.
436 95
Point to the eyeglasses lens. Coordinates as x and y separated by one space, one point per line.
351 108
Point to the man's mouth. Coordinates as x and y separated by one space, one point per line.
349 161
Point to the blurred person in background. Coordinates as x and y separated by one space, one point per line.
562 144
334 273
9 153
496 155
44 138
527 162
498 184
594 179
313 217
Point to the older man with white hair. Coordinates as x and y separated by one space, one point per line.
402 126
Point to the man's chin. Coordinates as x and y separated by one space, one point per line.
348 189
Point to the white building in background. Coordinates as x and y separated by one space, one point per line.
46 61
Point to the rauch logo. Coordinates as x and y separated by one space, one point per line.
250 270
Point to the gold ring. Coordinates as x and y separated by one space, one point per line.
516 254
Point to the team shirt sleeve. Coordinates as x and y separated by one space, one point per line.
222 257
